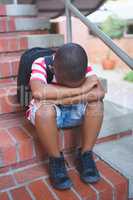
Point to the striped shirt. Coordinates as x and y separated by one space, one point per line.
39 71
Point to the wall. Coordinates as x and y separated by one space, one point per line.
95 48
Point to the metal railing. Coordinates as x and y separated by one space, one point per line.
70 8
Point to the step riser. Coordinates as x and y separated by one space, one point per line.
11 24
18 10
29 146
12 44
9 69
8 102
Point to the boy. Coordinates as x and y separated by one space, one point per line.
74 98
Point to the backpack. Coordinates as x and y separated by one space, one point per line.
24 72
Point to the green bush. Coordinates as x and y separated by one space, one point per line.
113 26
129 76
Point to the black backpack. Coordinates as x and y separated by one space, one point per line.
24 72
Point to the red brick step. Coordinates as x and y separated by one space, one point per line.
32 182
20 143
13 44
8 98
9 65
16 42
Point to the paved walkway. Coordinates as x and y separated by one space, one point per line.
119 90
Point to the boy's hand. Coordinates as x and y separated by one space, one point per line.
89 83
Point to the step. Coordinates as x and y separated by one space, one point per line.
9 62
119 154
32 182
11 24
20 142
23 42
8 97
9 65
117 119
48 40
17 129
18 10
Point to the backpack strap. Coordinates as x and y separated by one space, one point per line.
49 62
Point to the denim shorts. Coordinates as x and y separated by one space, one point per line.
70 115
67 116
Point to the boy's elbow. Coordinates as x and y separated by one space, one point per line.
37 95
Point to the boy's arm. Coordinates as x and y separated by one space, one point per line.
95 94
52 92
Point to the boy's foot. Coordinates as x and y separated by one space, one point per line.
87 167
58 173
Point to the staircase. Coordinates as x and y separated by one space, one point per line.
23 162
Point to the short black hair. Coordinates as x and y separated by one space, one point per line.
70 63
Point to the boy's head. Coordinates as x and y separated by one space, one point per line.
70 65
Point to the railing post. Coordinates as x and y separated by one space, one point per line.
68 22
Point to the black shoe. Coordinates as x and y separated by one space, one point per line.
87 168
58 173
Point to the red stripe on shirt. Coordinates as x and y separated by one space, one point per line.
89 69
40 64
38 71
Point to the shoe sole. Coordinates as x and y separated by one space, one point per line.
95 180
66 188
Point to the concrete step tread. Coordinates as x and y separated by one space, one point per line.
32 181
18 10
12 24
22 33
119 154
116 119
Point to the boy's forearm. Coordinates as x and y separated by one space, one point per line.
95 94
55 92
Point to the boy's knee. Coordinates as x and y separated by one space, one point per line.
45 112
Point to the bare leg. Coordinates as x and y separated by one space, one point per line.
47 130
45 122
91 125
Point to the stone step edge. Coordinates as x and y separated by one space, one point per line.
18 10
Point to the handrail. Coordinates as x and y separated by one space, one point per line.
94 28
